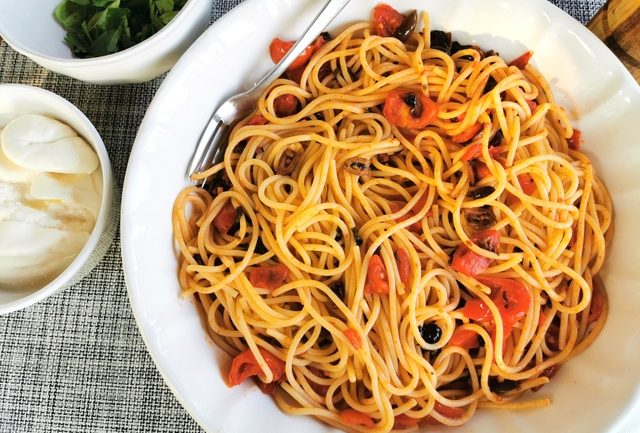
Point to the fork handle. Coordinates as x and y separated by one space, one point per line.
328 12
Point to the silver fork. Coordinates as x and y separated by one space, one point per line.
212 143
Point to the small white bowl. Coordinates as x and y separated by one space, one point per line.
29 27
20 99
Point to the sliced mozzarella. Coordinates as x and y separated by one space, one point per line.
14 206
18 239
5 118
10 172
30 253
72 189
41 143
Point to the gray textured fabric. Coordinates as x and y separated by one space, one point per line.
76 362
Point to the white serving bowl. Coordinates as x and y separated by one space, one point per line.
29 27
18 99
596 392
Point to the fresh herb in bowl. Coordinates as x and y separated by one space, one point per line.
100 27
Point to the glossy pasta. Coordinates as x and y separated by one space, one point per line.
329 189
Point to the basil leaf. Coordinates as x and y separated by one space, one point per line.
166 17
100 27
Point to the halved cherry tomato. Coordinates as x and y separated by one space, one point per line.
377 281
386 20
404 265
353 417
476 309
468 262
258 119
226 218
447 411
510 296
269 277
353 337
474 151
286 105
467 135
403 422
523 60
575 140
465 338
279 48
409 109
526 183
245 365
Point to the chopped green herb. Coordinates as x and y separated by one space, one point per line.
100 27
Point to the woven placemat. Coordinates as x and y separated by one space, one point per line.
76 362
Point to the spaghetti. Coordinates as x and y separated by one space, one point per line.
402 232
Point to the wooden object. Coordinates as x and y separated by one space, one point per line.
618 25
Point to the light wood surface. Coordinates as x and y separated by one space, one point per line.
618 25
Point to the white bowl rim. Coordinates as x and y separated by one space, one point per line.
155 38
101 221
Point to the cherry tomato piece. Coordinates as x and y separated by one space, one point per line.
576 140
245 365
467 135
286 105
353 417
409 109
446 411
511 297
353 337
403 422
522 61
386 20
269 277
258 119
279 48
474 151
377 281
404 265
468 262
465 338
526 183
476 309
226 218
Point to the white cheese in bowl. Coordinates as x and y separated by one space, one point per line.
40 143
50 194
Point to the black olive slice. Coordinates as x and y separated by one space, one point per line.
407 27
